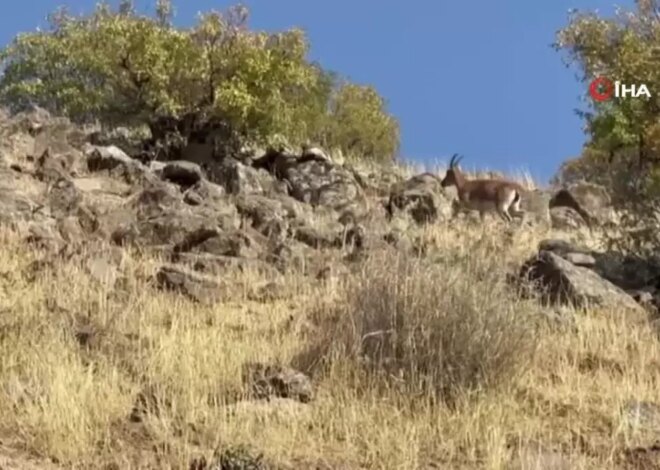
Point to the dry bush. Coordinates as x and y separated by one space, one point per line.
446 328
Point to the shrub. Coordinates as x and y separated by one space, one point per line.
444 329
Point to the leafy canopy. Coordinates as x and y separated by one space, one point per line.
624 48
122 68
623 134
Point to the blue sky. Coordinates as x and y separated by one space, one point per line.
475 77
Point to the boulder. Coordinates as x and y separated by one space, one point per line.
565 218
236 243
182 173
535 204
158 216
560 281
321 183
312 179
628 271
238 178
107 158
422 197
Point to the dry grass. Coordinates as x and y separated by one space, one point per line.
76 356
435 330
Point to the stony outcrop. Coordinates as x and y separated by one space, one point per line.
273 212
420 196
567 274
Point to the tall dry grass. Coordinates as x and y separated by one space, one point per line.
77 357
435 330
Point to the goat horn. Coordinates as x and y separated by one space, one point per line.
452 161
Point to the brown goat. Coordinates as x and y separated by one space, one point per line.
485 195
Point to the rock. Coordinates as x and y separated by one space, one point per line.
565 218
172 225
51 134
107 158
319 182
70 229
593 197
45 237
567 199
205 191
561 282
320 237
377 182
237 178
628 271
422 197
183 173
645 298
157 167
102 185
21 197
50 167
193 198
580 259
277 381
291 256
536 205
158 216
561 247
314 153
312 179
267 216
64 198
275 162
198 287
574 254
235 243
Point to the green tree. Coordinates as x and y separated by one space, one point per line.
622 149
624 48
359 124
122 68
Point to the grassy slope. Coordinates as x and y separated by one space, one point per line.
60 400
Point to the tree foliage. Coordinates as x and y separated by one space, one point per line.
623 145
624 48
358 124
121 67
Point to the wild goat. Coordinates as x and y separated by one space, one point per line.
485 195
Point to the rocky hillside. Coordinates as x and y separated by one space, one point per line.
273 211
253 230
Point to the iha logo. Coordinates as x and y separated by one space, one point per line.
603 89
